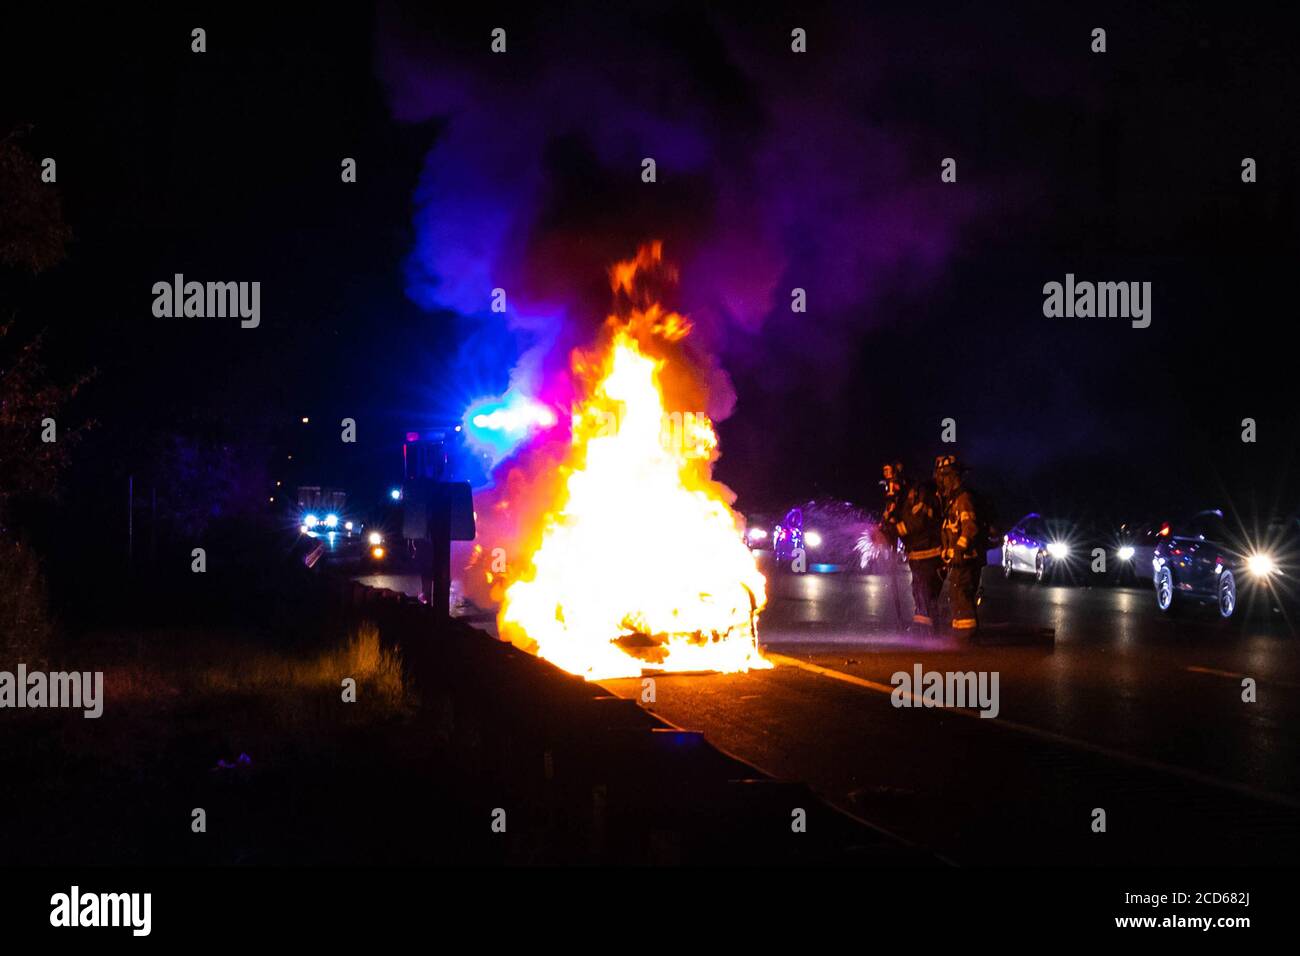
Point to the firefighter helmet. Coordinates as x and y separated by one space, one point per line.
949 464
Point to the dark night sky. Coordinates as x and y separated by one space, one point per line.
1121 167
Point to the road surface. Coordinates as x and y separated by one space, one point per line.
1123 712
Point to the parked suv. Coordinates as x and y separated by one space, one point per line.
1204 561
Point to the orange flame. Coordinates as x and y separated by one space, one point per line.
640 562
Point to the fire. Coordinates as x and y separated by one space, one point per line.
639 563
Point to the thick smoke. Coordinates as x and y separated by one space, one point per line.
774 169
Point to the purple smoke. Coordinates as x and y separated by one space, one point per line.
775 170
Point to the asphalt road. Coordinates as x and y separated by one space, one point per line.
1120 710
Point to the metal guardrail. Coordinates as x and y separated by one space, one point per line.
606 779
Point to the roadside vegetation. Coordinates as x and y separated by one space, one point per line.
258 736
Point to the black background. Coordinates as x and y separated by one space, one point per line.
226 165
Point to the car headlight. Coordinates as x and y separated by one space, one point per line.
1125 553
310 521
1261 565
758 534
331 521
376 538
812 539
1058 550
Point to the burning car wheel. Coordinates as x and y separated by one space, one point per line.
1165 590
1227 595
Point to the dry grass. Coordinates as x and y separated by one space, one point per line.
297 689
361 658
229 719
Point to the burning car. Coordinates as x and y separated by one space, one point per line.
595 595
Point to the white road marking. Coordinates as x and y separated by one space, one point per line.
1048 735
902 840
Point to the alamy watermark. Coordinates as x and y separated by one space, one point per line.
975 689
76 908
1102 300
209 300
82 690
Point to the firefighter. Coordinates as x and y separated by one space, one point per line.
962 552
911 516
